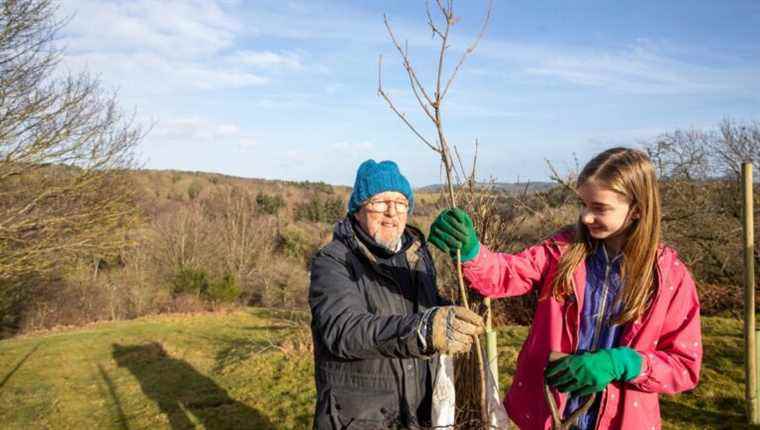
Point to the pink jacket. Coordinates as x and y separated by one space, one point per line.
668 336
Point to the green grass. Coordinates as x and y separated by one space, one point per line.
242 370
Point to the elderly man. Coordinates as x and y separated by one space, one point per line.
377 318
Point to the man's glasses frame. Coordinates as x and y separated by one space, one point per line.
381 206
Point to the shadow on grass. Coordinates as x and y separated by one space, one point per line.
184 395
121 418
239 350
18 365
268 328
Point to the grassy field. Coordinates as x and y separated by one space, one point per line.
249 369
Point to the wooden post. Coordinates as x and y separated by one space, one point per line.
757 371
750 357
491 350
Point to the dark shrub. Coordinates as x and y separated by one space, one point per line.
225 290
317 209
190 281
194 189
269 205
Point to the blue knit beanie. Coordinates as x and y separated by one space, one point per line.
374 178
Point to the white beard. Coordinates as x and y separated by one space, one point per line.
393 245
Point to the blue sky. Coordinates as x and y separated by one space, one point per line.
287 89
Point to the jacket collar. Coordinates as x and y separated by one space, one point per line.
344 232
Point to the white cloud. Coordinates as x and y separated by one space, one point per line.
643 67
638 69
157 47
266 59
202 131
152 74
174 29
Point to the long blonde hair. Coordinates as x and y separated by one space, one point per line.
629 172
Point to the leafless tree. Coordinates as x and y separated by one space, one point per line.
430 101
699 171
64 149
740 143
684 154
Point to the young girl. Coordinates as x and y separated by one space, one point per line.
611 295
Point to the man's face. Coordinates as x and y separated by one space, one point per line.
605 212
384 227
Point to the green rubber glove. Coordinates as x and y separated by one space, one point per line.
453 230
590 372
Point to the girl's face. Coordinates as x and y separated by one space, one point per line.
605 212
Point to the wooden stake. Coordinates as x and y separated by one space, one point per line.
492 352
750 357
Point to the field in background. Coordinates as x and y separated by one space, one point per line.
250 369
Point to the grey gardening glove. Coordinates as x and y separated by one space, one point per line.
451 329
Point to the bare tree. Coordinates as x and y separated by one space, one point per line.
699 171
684 154
740 143
431 103
246 238
64 149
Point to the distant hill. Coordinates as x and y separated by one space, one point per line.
175 185
508 187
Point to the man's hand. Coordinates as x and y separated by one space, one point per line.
453 230
590 372
453 329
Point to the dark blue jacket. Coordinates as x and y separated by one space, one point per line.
368 360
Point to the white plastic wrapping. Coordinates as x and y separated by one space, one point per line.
443 413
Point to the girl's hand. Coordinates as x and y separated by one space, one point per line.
453 230
590 372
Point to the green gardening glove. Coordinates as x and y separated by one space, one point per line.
453 230
590 372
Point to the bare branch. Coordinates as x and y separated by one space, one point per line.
442 55
474 160
407 62
470 49
431 22
556 177
382 93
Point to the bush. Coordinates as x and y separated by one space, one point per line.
294 243
284 285
269 205
319 186
185 303
194 189
721 300
190 281
226 290
327 210
196 282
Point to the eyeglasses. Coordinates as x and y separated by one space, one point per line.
384 205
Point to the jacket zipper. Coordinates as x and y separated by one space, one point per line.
658 281
603 306
597 331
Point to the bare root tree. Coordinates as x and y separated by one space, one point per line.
740 143
64 148
430 101
686 155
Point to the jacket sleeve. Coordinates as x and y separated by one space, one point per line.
497 275
343 323
674 364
